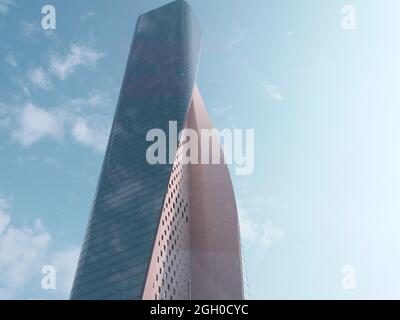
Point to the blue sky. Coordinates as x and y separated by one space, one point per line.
323 101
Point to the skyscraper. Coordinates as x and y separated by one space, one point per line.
164 231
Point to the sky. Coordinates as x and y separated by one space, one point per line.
321 212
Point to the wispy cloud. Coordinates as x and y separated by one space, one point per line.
29 29
90 120
62 67
272 92
35 123
260 232
238 36
84 124
87 15
23 252
91 136
79 55
5 5
11 60
85 121
93 100
50 161
39 78
4 216
20 249
222 110
23 86
5 118
65 262
33 30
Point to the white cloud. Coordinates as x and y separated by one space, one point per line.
5 4
269 233
65 263
4 216
61 67
5 118
20 250
53 162
29 29
23 87
90 136
222 110
39 78
262 233
23 253
30 124
79 55
3 204
238 36
35 123
87 15
33 30
272 92
248 229
11 60
94 100
50 161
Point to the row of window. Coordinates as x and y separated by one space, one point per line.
173 257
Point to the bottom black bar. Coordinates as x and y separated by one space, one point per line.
249 309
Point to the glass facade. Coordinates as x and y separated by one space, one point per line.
157 88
